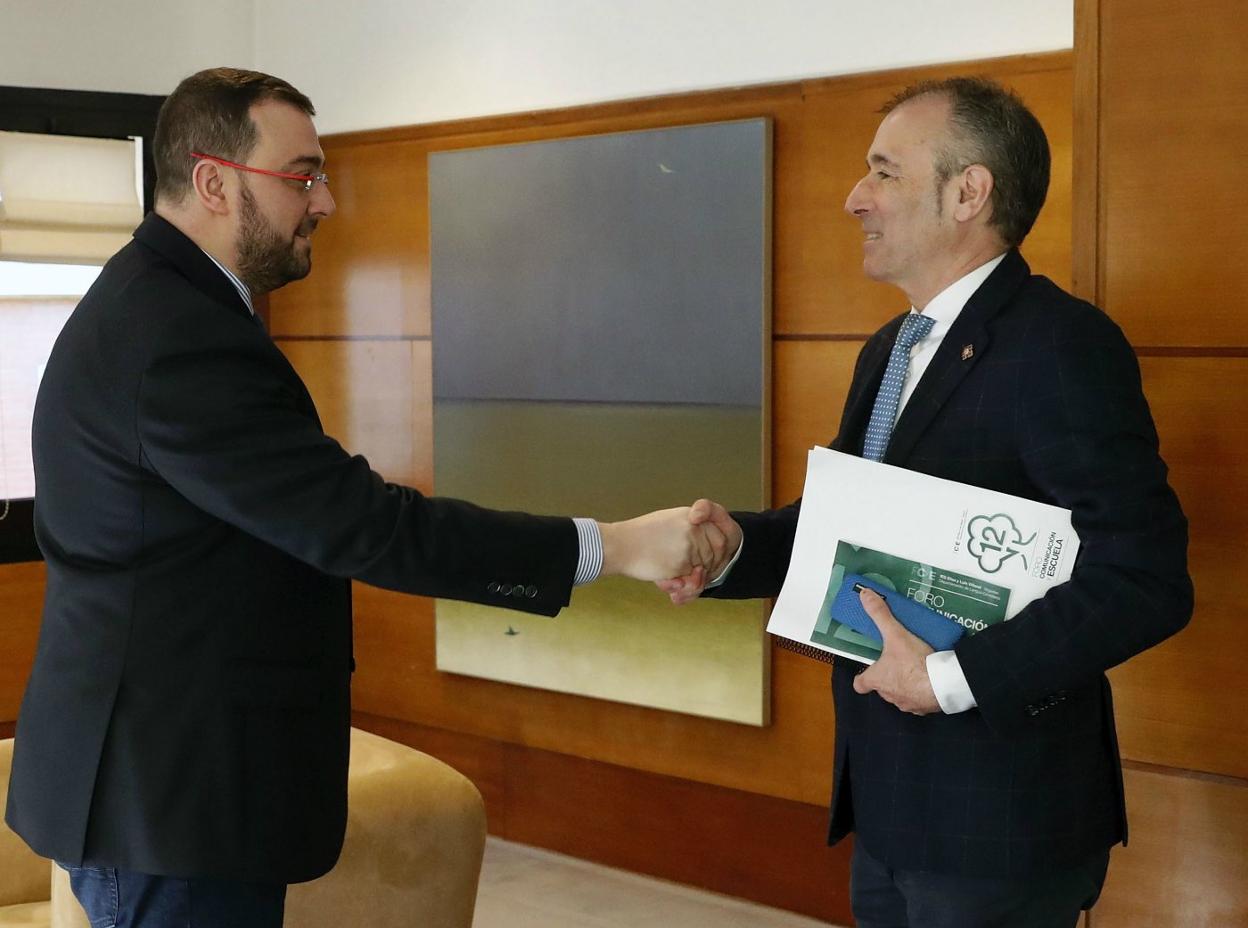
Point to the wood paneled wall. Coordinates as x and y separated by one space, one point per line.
21 598
1161 243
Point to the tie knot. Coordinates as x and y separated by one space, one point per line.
914 329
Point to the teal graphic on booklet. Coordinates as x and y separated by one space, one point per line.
969 601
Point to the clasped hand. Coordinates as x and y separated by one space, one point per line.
689 543
684 549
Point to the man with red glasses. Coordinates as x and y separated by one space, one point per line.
182 745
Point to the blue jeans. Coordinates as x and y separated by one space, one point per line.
886 898
115 898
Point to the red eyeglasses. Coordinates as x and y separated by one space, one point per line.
306 179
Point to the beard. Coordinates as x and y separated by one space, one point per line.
266 259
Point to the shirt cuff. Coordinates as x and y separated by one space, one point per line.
949 683
723 574
589 561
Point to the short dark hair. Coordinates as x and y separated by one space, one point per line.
993 127
209 112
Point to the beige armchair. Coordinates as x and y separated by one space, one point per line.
412 856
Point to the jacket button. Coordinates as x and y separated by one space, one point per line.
505 589
1033 711
530 591
491 587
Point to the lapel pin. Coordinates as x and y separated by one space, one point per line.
968 352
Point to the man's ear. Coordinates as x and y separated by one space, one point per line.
209 184
975 185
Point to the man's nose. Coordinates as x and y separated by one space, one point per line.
856 202
322 204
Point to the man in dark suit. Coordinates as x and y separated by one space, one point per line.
182 744
983 783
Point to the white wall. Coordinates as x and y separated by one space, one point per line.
373 63
129 46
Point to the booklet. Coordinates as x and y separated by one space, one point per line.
973 555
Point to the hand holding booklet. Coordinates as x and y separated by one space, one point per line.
942 553
938 631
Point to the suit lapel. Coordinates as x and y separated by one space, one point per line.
964 345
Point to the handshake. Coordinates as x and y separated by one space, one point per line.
681 549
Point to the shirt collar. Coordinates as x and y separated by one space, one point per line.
945 306
241 287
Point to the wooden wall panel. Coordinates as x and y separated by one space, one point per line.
1173 177
1162 188
810 380
1181 704
21 602
1086 146
1184 863
376 398
1048 246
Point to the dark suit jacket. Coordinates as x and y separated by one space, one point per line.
1048 406
188 711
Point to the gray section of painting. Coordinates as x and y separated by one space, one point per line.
614 268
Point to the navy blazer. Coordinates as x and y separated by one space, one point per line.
1037 394
188 713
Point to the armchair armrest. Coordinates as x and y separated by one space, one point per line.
23 873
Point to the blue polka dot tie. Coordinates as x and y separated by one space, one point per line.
914 329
